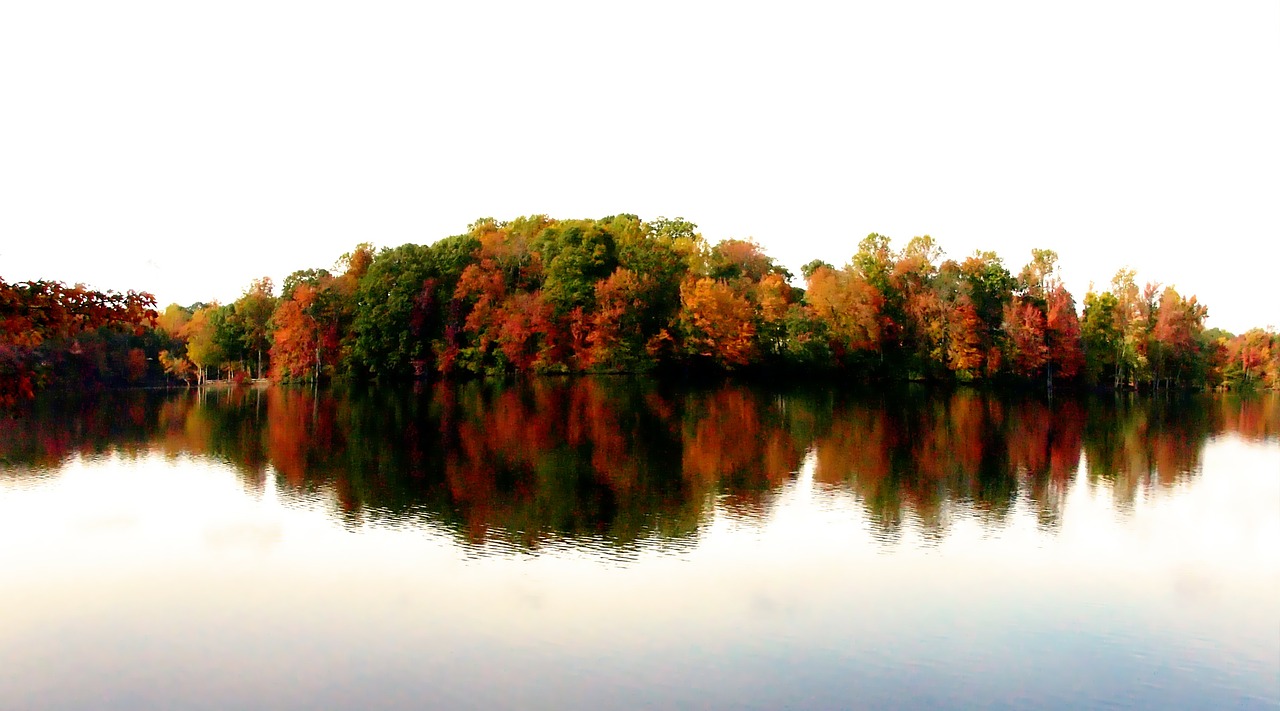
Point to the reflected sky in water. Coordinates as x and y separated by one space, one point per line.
616 544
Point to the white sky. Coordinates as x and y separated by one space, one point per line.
186 148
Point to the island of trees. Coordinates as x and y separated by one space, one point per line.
618 294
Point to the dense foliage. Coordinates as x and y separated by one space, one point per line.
618 294
51 332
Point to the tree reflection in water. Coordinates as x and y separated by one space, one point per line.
613 462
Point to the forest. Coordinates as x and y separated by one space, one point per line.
537 295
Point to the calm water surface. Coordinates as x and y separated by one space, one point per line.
597 544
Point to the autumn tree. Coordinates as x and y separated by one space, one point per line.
177 366
772 297
612 287
1039 275
617 335
989 287
295 345
312 327
482 290
682 237
1130 325
42 324
925 302
1252 360
505 264
734 259
1041 323
715 324
658 256
201 336
173 319
252 315
873 264
1176 346
1064 349
526 331
1024 324
849 309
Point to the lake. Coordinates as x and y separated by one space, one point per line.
624 544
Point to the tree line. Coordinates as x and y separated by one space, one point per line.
619 294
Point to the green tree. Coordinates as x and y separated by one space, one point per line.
229 335
203 349
253 311
577 254
403 303
311 277
390 301
808 269
1101 336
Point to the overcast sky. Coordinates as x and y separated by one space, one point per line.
187 148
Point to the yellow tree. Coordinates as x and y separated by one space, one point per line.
850 306
173 319
715 323
772 296
202 346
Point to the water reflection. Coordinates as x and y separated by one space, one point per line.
614 462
